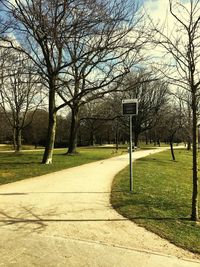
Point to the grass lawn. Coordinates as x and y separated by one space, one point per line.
10 147
143 145
161 201
15 167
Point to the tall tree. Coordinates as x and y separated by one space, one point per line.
47 32
172 124
40 29
20 91
182 44
152 95
101 56
6 131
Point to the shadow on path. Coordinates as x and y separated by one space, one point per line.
81 192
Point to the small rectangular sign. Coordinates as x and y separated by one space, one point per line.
130 107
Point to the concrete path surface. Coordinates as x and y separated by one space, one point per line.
65 219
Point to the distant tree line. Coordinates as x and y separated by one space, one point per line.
161 118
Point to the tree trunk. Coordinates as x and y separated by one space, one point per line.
101 141
117 136
18 138
92 141
14 139
80 139
195 215
146 138
73 131
189 145
172 150
136 139
158 142
108 137
117 140
155 138
92 138
48 153
189 127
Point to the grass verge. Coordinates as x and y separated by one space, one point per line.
161 201
15 167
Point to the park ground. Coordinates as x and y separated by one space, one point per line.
66 217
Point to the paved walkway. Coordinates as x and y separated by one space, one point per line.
65 219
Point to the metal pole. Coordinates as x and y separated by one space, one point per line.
130 156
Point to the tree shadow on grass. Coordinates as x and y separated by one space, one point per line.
19 163
162 162
156 218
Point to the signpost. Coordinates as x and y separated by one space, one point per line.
130 108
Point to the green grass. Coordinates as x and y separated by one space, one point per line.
15 167
24 147
143 145
161 201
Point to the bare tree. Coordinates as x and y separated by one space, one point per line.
184 98
183 45
19 93
99 121
107 113
152 97
47 32
172 124
40 29
34 133
101 56
6 131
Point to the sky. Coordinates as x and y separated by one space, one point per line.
156 8
158 11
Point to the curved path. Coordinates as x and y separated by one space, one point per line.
65 219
